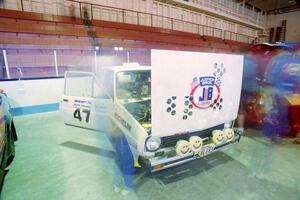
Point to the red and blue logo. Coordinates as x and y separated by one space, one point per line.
204 92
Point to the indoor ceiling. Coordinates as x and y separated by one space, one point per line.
275 6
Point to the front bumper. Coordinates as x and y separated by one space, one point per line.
163 162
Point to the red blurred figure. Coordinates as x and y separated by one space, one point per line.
257 109
294 110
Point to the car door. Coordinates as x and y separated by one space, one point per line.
85 102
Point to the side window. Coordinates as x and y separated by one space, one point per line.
84 85
79 84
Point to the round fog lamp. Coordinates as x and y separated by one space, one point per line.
228 134
182 147
153 143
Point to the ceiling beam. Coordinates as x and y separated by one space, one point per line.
285 9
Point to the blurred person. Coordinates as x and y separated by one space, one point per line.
86 17
262 159
124 170
72 12
255 40
276 122
241 114
90 29
284 127
271 122
251 75
2 3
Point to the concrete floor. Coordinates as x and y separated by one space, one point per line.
55 161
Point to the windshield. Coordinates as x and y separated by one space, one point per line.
133 85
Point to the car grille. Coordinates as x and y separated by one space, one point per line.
170 141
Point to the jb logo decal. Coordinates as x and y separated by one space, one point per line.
205 93
206 90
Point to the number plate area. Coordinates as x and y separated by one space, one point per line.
207 149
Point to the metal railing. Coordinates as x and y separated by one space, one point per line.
229 8
74 8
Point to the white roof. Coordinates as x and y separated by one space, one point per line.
128 67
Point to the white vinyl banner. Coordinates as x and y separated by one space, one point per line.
192 91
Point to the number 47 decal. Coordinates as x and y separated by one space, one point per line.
77 114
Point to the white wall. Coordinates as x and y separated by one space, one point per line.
45 57
33 92
292 29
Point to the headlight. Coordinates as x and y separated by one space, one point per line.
153 143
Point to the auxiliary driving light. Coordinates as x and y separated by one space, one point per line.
228 134
196 143
217 136
182 147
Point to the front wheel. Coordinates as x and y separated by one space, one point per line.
14 132
10 146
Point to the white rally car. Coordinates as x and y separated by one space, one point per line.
165 126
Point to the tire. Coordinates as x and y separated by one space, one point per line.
3 161
14 132
10 146
2 169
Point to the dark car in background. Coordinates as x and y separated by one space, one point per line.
8 136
